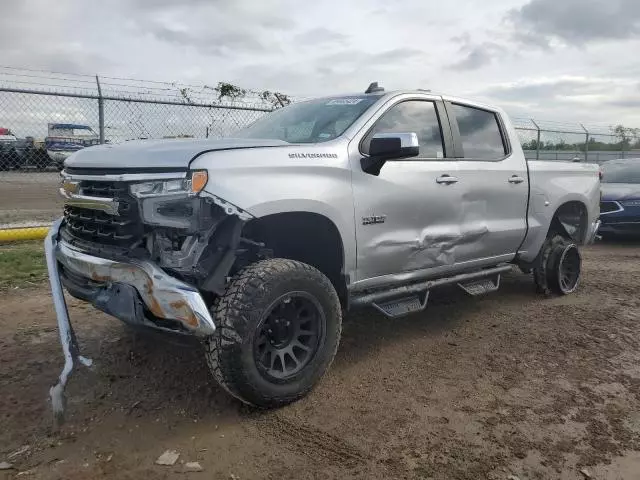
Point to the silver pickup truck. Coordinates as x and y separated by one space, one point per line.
259 244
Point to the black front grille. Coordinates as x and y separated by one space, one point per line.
608 206
93 188
99 227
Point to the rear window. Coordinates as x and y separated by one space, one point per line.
480 133
627 172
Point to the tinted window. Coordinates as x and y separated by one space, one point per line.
623 172
310 122
412 117
480 133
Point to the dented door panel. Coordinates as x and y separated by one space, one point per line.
493 209
421 227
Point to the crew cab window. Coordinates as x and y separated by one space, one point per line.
480 133
413 116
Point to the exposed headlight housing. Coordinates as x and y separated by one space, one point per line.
191 185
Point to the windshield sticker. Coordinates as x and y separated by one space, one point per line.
439 154
313 155
344 101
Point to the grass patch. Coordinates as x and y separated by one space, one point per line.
22 265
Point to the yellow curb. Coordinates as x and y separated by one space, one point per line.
20 234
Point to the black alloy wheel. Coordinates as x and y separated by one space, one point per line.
288 336
569 267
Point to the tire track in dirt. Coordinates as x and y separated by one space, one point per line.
312 442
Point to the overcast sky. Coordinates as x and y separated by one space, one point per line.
568 60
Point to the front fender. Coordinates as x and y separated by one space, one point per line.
260 191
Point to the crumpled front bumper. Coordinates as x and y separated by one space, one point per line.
136 292
165 297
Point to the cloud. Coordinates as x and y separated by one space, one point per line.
568 98
33 37
219 42
357 58
218 28
315 48
476 56
627 103
394 55
319 35
540 89
575 22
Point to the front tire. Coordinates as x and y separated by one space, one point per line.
278 329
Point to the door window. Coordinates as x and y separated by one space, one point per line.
413 116
480 133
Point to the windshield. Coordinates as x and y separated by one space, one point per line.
311 121
627 172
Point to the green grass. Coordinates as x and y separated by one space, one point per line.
22 265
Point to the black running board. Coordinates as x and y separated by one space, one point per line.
399 301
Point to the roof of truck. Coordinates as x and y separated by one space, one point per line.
392 93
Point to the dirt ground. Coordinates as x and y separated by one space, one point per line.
29 197
506 385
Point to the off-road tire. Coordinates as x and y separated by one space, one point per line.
238 314
545 271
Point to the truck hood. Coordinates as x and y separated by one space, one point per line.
620 191
164 154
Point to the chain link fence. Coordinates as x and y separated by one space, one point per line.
45 116
544 140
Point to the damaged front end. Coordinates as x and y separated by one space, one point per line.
151 250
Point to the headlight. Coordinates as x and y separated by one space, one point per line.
190 186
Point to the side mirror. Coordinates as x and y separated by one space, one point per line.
389 146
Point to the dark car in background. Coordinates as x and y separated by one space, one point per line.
620 204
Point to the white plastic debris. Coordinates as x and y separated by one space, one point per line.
19 452
193 467
170 457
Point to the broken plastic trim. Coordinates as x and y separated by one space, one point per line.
227 207
67 335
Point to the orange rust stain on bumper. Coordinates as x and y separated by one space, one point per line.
185 312
100 278
153 303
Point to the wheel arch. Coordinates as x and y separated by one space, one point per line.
308 237
571 219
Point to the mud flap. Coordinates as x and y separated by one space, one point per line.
67 335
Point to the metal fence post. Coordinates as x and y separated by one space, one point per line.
586 143
537 140
100 111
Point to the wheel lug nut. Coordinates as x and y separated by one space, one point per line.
270 331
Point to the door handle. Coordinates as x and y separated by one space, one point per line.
446 179
516 179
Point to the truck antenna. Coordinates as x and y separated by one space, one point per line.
374 88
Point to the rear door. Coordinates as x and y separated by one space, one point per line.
493 185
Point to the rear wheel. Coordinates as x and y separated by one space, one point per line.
278 328
558 267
